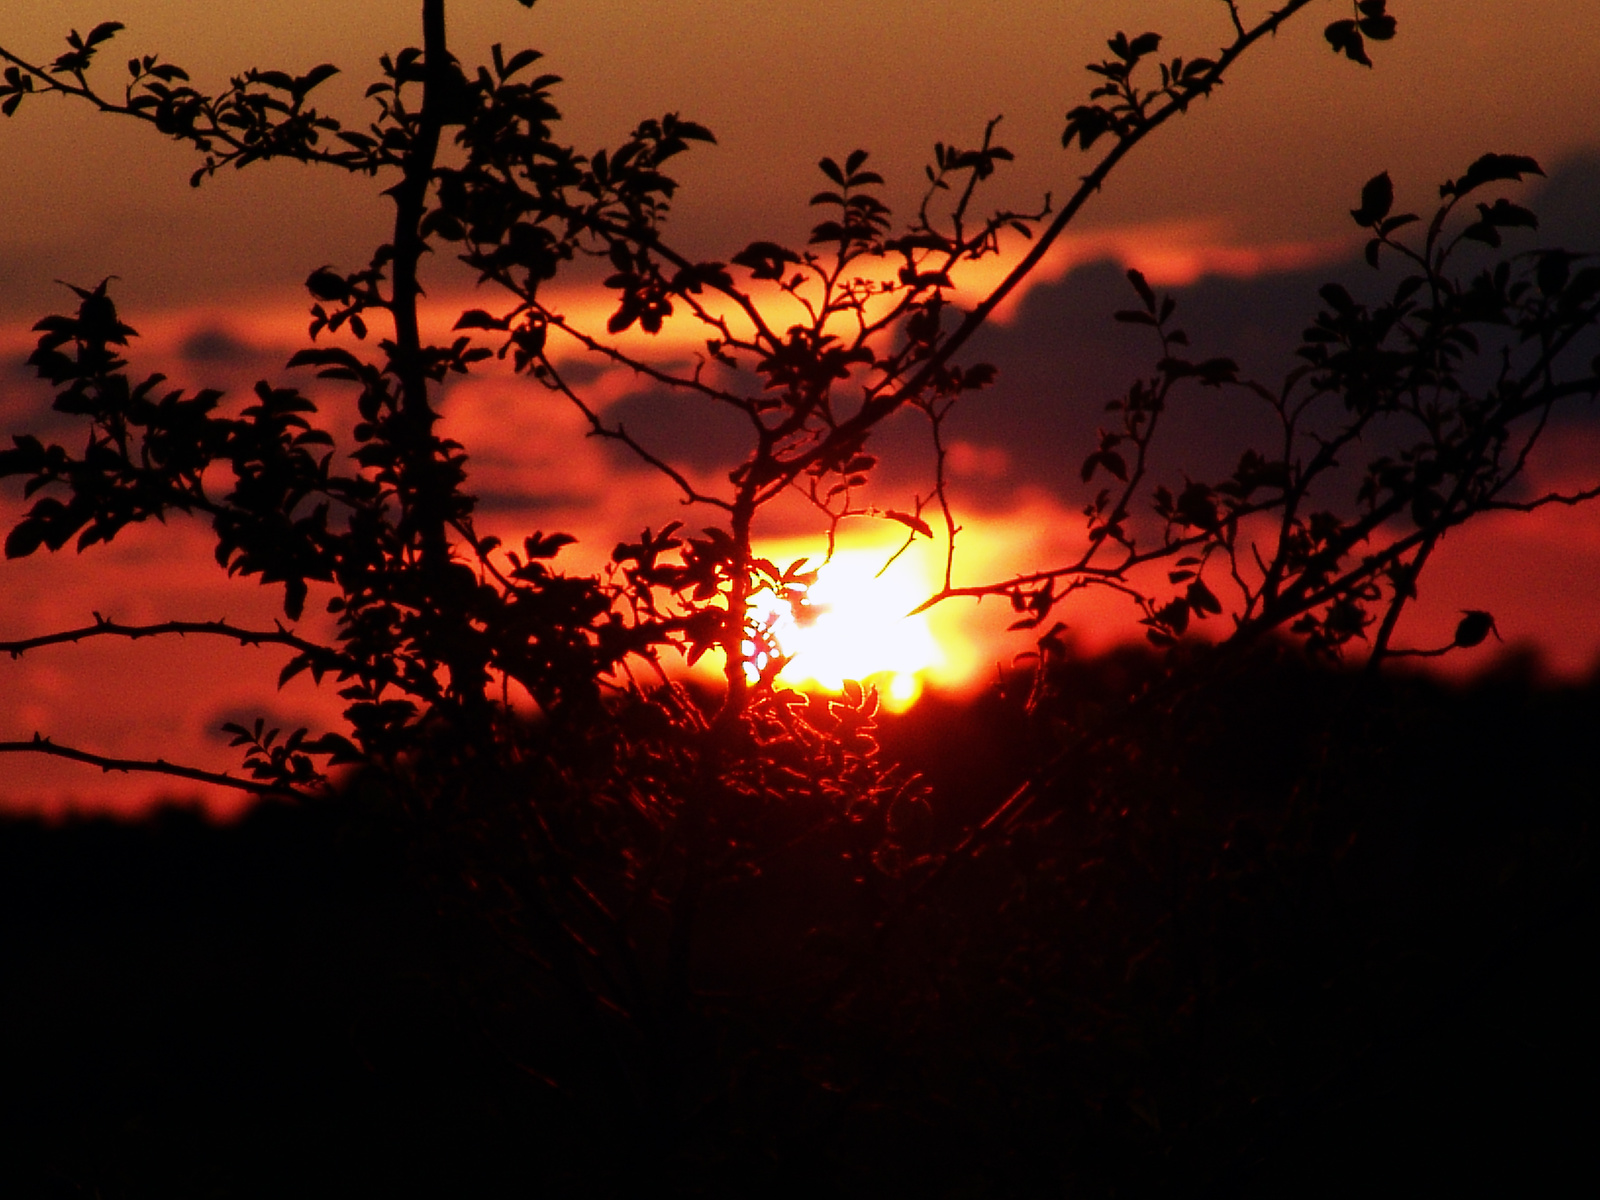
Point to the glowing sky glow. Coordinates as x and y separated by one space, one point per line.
783 84
1256 181
862 629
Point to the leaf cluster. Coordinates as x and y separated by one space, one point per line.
599 827
1448 385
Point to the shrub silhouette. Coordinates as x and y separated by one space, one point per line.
701 884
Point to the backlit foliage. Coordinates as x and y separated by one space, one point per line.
601 833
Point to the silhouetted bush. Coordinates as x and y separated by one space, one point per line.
1172 895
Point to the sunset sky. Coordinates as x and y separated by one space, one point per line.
1242 208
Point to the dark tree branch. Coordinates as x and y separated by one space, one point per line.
874 411
1436 652
1569 499
245 637
216 128
598 428
640 367
153 766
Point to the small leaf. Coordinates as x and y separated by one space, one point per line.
327 284
1507 215
1346 39
315 77
1475 625
103 32
910 521
542 545
24 539
1492 168
519 60
1202 600
1145 43
1377 198
476 318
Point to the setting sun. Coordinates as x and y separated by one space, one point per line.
861 630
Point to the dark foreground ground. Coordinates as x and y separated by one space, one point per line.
1390 989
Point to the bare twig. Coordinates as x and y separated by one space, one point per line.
1091 183
1569 499
245 637
599 428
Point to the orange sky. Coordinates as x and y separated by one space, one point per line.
1258 180
1273 157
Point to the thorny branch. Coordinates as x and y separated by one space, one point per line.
152 766
102 627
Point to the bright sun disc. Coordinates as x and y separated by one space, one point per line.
861 631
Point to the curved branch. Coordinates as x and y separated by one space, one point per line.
1083 569
598 428
105 628
639 366
152 766
1436 652
1090 184
1569 499
238 151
